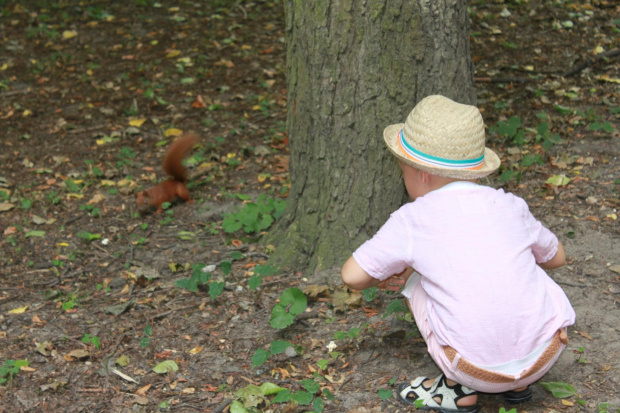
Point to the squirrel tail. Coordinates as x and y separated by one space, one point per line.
174 157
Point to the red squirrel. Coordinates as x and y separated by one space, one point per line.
174 187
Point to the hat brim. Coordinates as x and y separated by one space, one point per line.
491 160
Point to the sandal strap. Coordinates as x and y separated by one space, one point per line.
417 388
449 395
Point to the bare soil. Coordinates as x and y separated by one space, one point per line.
91 92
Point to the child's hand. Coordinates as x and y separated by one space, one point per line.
397 281
393 283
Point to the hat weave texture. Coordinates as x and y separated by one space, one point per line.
444 138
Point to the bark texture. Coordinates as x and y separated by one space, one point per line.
353 67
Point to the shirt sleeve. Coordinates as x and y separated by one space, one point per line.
385 254
545 243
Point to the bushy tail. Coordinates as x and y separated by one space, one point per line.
174 157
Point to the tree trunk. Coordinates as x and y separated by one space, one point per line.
354 67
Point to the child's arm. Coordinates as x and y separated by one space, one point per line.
355 277
558 260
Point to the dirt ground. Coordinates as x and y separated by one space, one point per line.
90 95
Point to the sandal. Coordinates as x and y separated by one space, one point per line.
415 394
515 397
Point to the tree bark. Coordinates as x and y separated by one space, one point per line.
354 67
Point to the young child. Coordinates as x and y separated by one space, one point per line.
475 259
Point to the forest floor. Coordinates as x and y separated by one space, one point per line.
94 296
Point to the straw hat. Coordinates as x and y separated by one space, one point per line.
443 138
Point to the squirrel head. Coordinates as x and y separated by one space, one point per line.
142 200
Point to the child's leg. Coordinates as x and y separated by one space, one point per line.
416 301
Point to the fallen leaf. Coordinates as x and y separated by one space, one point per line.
195 350
165 367
142 390
68 34
78 354
586 335
172 132
558 180
6 206
137 122
19 310
315 290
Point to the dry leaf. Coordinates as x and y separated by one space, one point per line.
315 290
77 355
142 390
586 335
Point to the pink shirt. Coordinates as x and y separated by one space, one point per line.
476 248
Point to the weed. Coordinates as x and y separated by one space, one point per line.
146 340
292 302
255 217
87 236
94 340
92 210
11 368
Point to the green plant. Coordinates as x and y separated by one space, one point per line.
559 389
11 368
87 236
94 340
146 340
292 302
249 398
370 294
510 129
261 355
198 277
260 271
255 217
503 410
91 209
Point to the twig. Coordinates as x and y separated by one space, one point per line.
574 284
220 407
505 79
590 62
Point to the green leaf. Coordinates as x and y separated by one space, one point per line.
329 394
563 109
280 318
340 335
279 346
296 298
318 405
559 389
165 366
39 234
268 389
254 282
369 294
385 394
236 255
354 332
310 385
532 158
284 396
237 407
396 306
226 267
215 289
302 397
558 180
322 364
260 357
